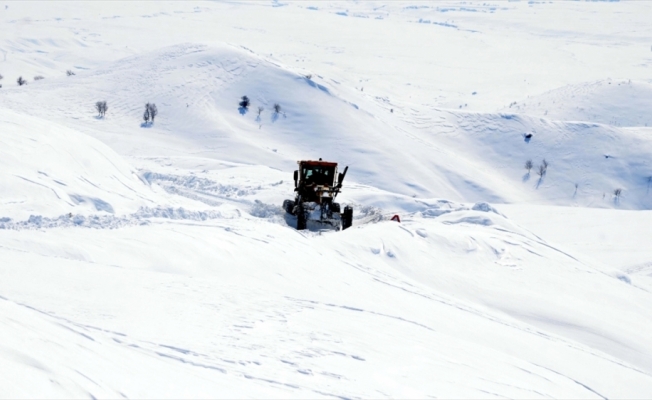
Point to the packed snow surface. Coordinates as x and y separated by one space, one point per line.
153 259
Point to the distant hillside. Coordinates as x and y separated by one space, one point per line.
622 103
456 155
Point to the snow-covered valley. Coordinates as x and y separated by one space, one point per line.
155 260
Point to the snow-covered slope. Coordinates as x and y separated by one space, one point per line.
458 298
452 154
154 260
48 169
621 102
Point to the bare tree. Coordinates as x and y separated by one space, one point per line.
277 108
70 72
153 111
528 165
545 164
146 115
101 107
21 81
618 192
541 171
260 110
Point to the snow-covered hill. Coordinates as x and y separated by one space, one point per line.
620 102
48 169
451 154
154 260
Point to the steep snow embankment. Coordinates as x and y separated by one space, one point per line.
616 102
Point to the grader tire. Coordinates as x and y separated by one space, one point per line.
301 218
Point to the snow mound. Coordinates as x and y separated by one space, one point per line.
622 103
48 169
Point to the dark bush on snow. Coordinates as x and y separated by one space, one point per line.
244 102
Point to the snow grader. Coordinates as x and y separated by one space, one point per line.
316 184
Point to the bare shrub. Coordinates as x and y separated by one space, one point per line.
544 163
146 115
70 72
541 171
21 81
101 108
150 112
260 110
153 111
528 165
618 192
38 77
277 108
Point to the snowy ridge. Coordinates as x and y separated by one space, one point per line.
153 259
50 169
459 155
618 102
